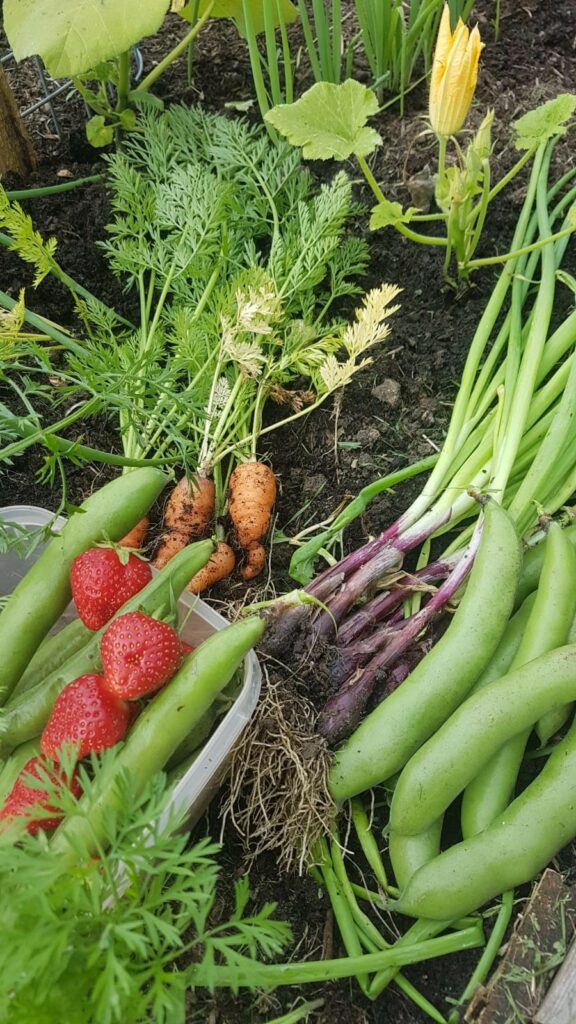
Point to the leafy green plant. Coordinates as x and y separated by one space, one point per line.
119 938
329 122
236 267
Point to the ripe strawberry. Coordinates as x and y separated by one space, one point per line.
87 715
23 798
139 655
103 579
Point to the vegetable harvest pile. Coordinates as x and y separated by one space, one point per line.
411 756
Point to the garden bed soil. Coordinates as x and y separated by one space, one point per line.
393 413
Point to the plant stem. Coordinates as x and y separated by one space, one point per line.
18 195
173 55
301 1012
490 261
489 954
309 972
123 87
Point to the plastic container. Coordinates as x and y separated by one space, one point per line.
192 794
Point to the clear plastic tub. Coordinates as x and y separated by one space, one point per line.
192 794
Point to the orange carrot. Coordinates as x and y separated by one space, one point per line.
190 507
250 501
137 535
170 544
255 561
219 565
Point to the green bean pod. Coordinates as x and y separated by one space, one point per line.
391 734
42 595
554 607
163 726
533 562
52 653
25 717
551 723
408 853
510 852
470 738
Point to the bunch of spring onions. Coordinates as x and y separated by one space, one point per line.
512 435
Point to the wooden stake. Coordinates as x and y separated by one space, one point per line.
16 150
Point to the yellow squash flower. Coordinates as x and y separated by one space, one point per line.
454 74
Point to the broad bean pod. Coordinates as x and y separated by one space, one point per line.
470 738
408 853
52 653
42 595
393 732
548 627
510 852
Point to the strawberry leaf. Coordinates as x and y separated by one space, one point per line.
329 121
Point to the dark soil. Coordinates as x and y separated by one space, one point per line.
395 412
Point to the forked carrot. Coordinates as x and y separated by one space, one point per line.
220 564
255 561
250 501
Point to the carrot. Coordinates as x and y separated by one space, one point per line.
219 565
255 561
170 544
251 497
190 507
137 535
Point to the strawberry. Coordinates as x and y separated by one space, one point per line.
23 798
87 715
185 648
103 579
139 655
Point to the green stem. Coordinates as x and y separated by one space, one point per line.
45 326
176 51
301 1012
18 195
123 87
311 972
489 954
368 843
490 261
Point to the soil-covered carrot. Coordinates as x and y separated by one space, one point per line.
220 564
170 544
137 535
251 499
190 507
255 561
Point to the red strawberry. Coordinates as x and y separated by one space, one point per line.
185 648
139 655
103 579
87 715
23 798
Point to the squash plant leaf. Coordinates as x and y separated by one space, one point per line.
329 121
234 9
389 215
545 122
72 36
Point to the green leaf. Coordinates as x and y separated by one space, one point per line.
98 132
147 100
545 122
389 215
72 36
329 121
234 9
128 120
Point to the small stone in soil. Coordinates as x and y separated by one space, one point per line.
387 392
313 484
